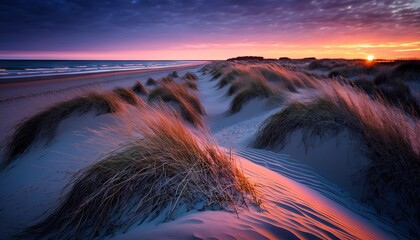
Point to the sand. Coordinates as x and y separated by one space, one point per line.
300 200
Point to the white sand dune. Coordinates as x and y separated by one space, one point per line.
299 202
292 211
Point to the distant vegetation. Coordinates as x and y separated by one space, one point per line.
246 58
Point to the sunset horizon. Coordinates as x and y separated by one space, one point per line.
198 30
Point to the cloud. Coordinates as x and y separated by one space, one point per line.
81 24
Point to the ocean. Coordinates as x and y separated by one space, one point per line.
32 68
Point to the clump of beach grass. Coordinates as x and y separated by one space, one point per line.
191 85
272 73
392 90
174 74
407 71
365 85
219 68
190 76
190 106
234 88
140 89
389 138
285 78
128 96
257 89
227 79
150 82
44 125
167 79
167 172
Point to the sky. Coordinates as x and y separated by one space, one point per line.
208 29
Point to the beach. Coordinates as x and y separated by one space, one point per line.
42 91
303 189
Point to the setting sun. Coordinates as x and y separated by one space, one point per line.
370 57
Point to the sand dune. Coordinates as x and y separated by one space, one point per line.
300 201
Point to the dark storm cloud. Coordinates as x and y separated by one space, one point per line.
52 24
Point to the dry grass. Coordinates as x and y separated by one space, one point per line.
352 71
365 85
227 79
218 69
167 172
263 81
191 85
257 89
174 74
285 78
190 106
391 90
273 73
317 118
258 80
234 88
390 138
150 82
407 71
210 67
140 89
128 96
43 125
167 79
190 76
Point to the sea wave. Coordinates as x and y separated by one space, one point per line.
33 68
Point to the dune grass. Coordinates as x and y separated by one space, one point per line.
234 88
44 125
285 78
400 96
190 106
275 74
167 79
167 172
258 80
227 79
320 65
407 71
190 76
257 89
128 96
219 68
394 91
191 85
310 117
365 85
389 138
140 89
216 75
174 74
150 82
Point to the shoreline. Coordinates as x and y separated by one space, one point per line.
75 81
5 82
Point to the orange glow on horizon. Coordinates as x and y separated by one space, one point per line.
224 50
370 58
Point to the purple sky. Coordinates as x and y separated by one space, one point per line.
213 29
